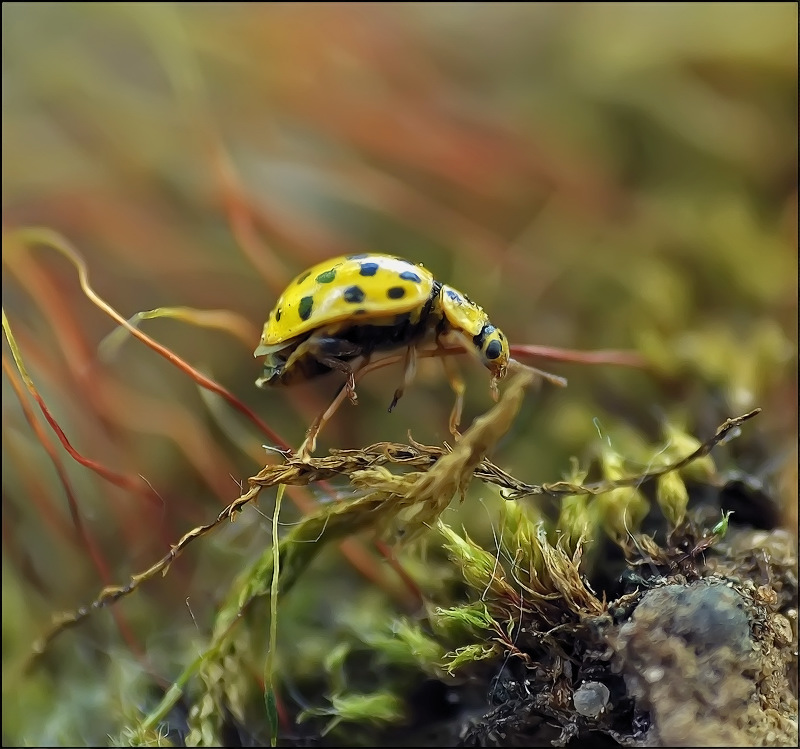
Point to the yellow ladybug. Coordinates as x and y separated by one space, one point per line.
348 308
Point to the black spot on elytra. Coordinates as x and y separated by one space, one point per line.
360 311
277 315
354 294
360 256
304 308
396 292
409 275
326 276
368 269
493 350
454 295
302 278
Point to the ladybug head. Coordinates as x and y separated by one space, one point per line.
492 348
472 325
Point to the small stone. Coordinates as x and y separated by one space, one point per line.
591 698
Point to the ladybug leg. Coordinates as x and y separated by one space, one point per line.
343 366
329 351
410 364
458 387
310 442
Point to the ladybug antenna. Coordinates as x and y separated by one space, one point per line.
514 365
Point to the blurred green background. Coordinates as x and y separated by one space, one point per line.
594 175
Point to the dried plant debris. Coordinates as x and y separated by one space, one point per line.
690 641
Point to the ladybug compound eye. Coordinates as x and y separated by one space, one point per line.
493 350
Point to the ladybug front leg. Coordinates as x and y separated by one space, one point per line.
310 442
330 351
458 387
